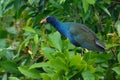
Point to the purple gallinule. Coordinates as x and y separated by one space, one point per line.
78 34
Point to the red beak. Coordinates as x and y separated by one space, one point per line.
43 21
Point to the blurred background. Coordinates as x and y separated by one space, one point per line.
33 51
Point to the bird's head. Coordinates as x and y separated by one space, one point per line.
49 19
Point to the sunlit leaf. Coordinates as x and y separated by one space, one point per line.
55 38
29 29
31 1
58 63
48 52
78 62
105 9
13 78
91 1
107 1
117 26
62 1
87 75
85 5
38 65
36 39
108 46
117 70
45 76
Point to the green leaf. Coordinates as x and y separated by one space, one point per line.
9 55
36 39
75 59
89 59
17 4
38 65
117 26
107 1
108 46
58 63
31 1
55 4
13 78
9 6
29 29
85 5
78 62
62 1
59 76
47 51
10 67
55 39
104 9
119 57
1 10
4 76
12 30
45 76
117 70
2 43
91 1
32 73
102 58
87 75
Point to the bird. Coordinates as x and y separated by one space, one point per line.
78 34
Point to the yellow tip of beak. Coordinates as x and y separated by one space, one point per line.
43 21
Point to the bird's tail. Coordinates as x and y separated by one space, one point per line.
101 46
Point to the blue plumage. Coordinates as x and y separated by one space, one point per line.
78 34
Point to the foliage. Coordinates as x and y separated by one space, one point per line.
33 51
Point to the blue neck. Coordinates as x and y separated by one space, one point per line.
61 27
58 25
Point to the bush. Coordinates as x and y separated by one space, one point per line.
33 51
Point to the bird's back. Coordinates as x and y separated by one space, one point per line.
84 36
